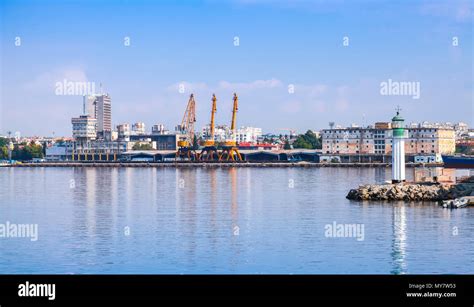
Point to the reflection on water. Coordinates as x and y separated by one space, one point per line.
399 239
222 220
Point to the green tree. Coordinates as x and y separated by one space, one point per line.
139 146
309 140
3 142
3 152
25 152
287 145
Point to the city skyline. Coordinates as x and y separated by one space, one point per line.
291 64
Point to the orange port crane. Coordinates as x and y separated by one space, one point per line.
186 140
230 150
209 152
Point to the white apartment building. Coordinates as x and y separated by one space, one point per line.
84 128
248 134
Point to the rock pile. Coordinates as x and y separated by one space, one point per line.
411 192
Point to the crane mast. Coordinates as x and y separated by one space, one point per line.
230 150
234 116
213 113
187 128
209 152
189 118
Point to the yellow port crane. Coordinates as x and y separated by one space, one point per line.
230 150
186 140
209 152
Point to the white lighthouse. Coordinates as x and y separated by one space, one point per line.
398 148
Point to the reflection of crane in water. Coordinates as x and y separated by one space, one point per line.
234 204
399 240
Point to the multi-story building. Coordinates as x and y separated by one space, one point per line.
103 114
138 128
99 107
123 131
221 132
461 129
243 134
378 140
159 129
248 134
84 128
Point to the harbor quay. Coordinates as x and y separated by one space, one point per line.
187 164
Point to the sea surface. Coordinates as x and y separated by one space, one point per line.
223 220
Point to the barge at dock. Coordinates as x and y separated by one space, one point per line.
458 161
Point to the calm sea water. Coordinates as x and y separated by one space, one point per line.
222 220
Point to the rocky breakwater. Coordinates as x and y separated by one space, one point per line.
412 192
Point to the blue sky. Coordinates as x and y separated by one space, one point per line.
281 43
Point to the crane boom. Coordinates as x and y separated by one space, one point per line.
213 112
210 152
230 149
234 113
189 118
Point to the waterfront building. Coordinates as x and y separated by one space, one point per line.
158 141
84 128
248 134
377 140
56 152
398 149
97 150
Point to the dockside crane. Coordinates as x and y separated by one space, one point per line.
230 150
209 152
186 140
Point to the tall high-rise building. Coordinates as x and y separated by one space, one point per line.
96 119
99 108
103 114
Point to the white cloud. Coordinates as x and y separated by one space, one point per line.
257 84
460 11
45 82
